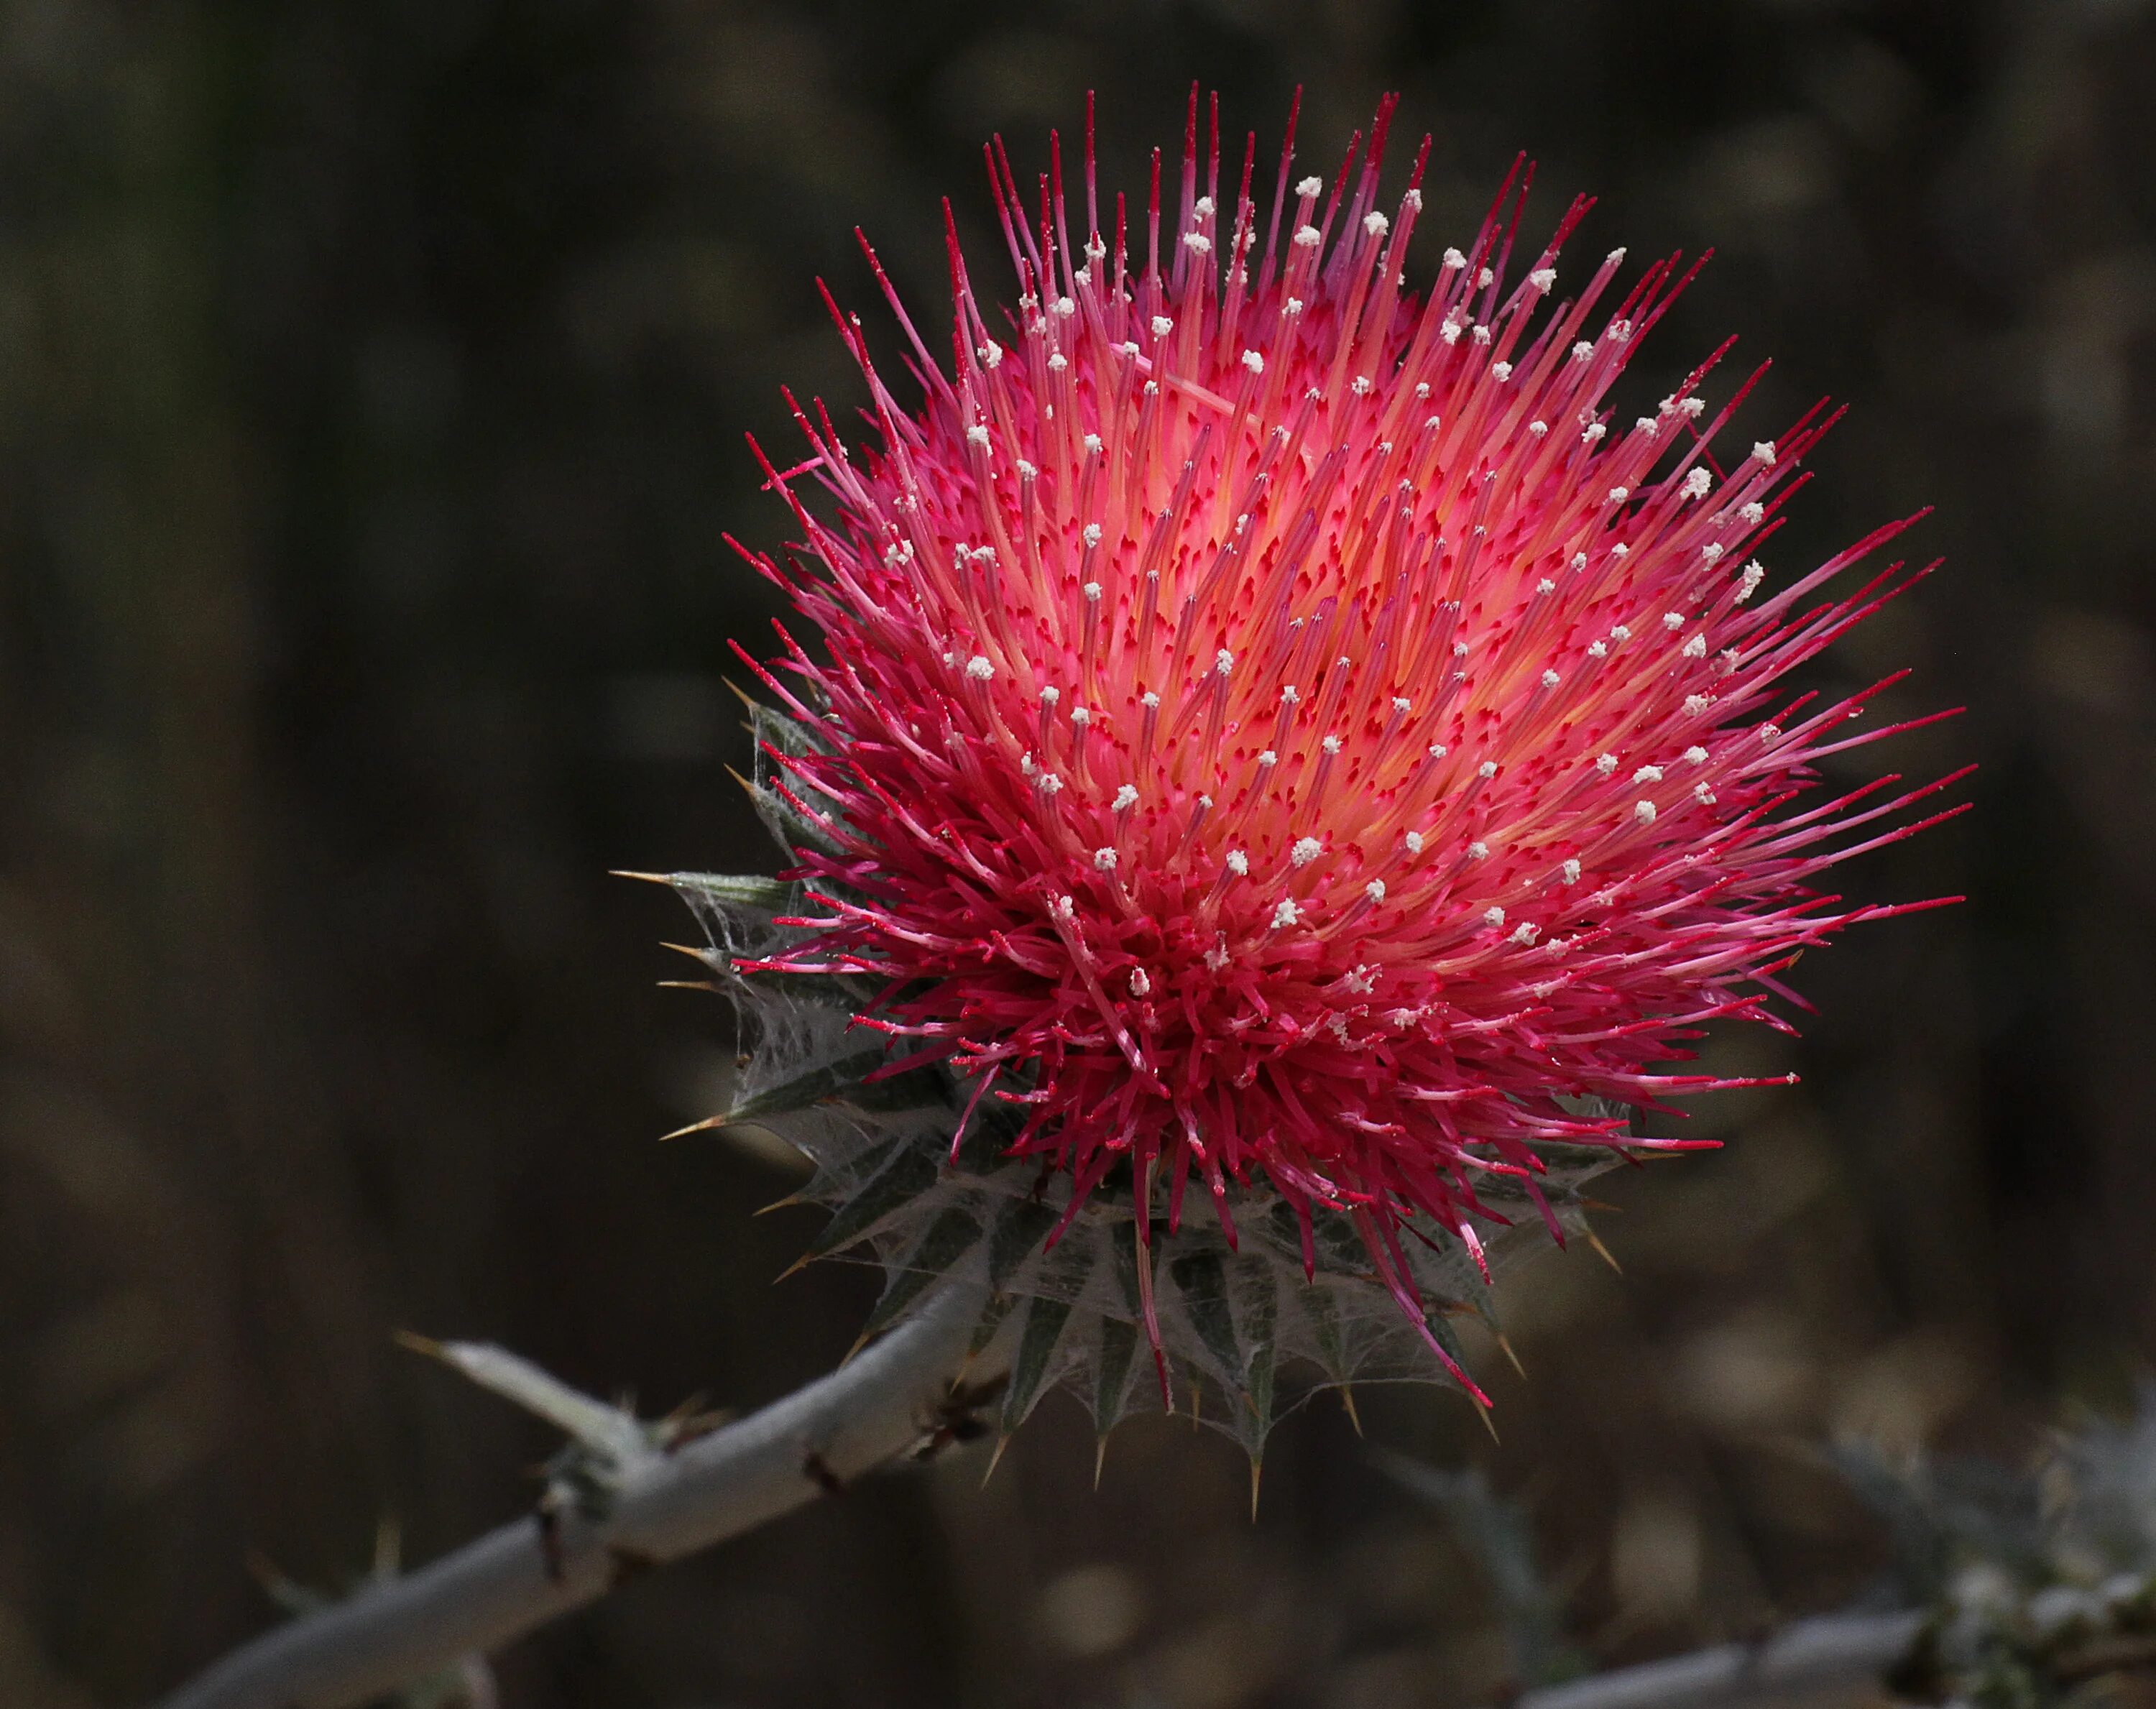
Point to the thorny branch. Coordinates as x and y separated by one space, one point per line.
667 1506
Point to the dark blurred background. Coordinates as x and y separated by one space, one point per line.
371 380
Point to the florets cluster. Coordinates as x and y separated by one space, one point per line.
1281 728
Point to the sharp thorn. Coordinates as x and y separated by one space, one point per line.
1594 1240
1100 1458
685 984
1513 1357
799 1264
995 1460
1347 1400
412 1342
863 1342
663 878
1483 1413
791 1199
688 950
740 693
693 1127
1257 1471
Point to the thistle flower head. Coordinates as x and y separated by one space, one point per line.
1281 742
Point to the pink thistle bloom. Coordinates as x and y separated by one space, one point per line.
1282 730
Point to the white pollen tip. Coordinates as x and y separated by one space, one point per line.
1696 647
1478 851
1696 754
1331 744
1493 916
1437 750
1080 717
979 668
1582 351
1311 185
1525 933
1306 851
1376 223
1486 279
1197 242
1149 701
978 435
1570 868
1414 840
1538 428
1764 452
1238 863
1697 482
1487 770
1375 889
1754 512
1104 859
1454 261
1093 446
1648 774
1127 797
1092 590
1162 326
1501 372
1673 619
1644 811
1309 238
1268 759
1050 695
1091 536
1254 360
1403 705
1224 661
1550 679
1605 763
1543 278
1204 207
1546 586
1286 914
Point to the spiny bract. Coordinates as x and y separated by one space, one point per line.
1283 737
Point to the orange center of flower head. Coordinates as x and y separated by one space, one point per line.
1282 727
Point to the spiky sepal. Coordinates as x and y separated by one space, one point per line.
1248 1319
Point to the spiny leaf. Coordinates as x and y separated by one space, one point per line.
1257 1303
1322 1312
781 730
812 1087
787 825
1112 1373
1044 1319
1204 1288
906 1172
1021 1225
950 1238
726 891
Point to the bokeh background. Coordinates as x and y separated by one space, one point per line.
373 374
